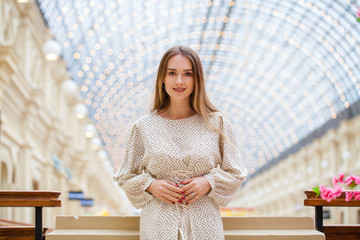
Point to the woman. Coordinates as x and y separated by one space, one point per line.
181 162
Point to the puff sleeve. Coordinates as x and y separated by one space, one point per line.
227 178
131 176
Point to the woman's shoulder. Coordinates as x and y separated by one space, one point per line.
219 119
216 116
146 119
141 124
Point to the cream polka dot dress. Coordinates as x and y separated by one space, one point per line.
160 148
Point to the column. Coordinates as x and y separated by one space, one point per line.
8 65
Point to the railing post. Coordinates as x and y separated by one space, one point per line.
38 223
319 218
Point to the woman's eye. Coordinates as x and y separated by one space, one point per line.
188 74
171 73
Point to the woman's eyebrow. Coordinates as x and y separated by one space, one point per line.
173 69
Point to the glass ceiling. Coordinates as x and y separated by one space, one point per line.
281 71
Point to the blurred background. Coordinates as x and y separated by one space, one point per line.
76 74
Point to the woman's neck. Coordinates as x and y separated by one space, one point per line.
178 111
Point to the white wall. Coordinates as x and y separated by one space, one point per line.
38 120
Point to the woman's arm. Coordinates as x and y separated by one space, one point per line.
226 179
130 176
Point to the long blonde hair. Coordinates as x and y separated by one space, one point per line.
199 101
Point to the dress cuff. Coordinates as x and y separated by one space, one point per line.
211 181
148 182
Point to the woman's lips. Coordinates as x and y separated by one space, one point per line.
179 89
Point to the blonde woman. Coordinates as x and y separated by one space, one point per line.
181 162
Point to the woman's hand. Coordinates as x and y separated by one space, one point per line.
195 188
166 191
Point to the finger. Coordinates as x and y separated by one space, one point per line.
162 195
190 196
174 192
186 181
172 183
188 192
167 200
192 199
175 189
192 189
173 199
187 187
177 195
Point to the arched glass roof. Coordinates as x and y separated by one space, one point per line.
283 72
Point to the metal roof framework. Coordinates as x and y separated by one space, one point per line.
279 70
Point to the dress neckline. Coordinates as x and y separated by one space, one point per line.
174 120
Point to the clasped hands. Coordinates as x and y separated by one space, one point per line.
190 191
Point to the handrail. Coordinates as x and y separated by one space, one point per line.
14 198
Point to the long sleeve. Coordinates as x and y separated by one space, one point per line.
227 179
131 176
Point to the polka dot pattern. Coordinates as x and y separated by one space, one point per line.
158 148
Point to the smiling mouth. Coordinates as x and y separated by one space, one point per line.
179 89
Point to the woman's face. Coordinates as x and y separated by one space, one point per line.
179 80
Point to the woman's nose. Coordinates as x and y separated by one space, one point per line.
179 80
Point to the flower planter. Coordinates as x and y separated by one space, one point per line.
333 232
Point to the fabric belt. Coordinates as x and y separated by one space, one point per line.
180 175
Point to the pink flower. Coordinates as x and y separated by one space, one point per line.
336 192
357 180
348 196
332 193
334 181
356 195
326 193
340 179
358 12
351 180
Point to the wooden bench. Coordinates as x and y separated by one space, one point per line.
333 232
235 228
37 199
